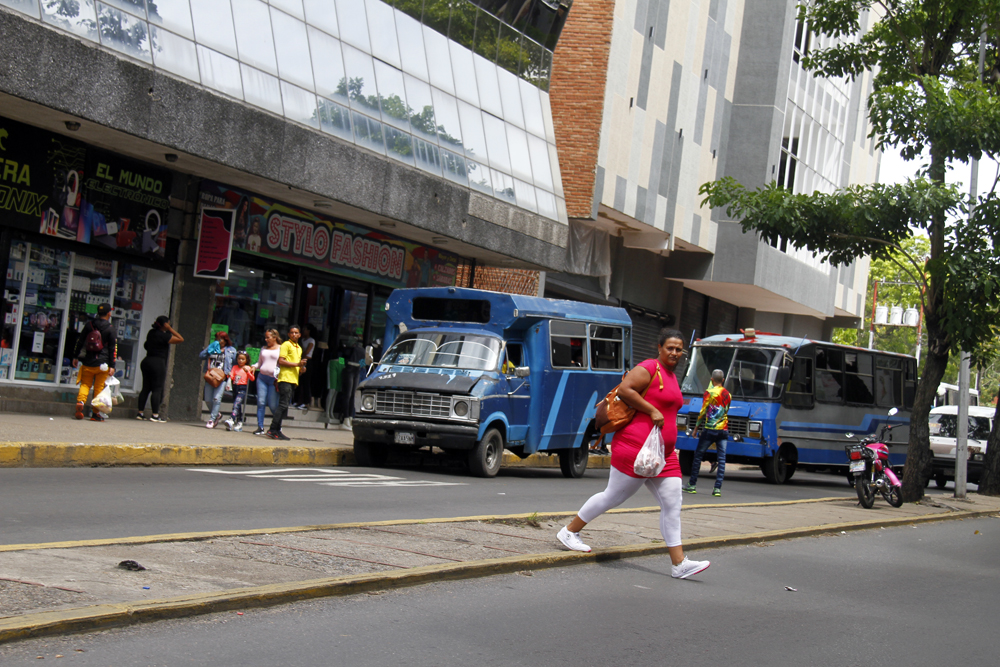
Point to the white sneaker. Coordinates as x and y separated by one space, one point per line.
688 568
571 540
347 423
229 424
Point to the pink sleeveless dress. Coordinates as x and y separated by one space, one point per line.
627 442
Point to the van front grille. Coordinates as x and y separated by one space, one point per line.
409 403
737 425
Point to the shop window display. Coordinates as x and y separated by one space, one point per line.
250 302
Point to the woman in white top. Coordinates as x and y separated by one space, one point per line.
267 368
305 378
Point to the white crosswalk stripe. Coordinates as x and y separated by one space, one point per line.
327 477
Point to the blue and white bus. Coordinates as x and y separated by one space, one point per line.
794 399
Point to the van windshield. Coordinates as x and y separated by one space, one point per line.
444 350
946 426
750 372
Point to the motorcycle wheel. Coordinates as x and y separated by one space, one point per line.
866 494
894 496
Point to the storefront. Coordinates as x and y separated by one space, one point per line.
80 227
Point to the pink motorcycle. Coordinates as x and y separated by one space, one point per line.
868 461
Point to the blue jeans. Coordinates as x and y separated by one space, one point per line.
709 436
213 397
239 399
267 397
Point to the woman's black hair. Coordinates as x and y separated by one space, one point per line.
666 333
160 321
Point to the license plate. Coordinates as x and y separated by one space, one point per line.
405 438
857 466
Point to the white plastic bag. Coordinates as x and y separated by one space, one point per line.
103 401
115 385
650 461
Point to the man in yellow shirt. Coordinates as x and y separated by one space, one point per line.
290 364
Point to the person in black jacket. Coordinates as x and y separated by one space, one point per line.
97 365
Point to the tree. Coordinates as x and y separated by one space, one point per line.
927 97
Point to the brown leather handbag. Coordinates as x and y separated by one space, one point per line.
614 414
215 376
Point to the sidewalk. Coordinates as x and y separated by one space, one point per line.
56 588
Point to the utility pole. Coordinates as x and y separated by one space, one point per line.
871 330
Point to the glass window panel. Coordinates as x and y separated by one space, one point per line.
175 54
487 33
382 31
175 15
531 103
335 119
261 89
510 95
509 48
563 215
520 157
449 127
496 143
550 132
556 174
525 195
427 156
328 65
418 96
438 60
480 177
547 204
454 167
533 66
465 73
27 7
436 15
489 86
292 47
361 89
353 23
323 15
503 186
392 95
252 21
213 25
546 74
293 7
473 136
368 133
300 105
220 72
411 43
462 26
540 168
123 32
398 144
137 7
79 18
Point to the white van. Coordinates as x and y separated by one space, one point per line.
943 425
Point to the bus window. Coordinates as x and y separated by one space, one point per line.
704 360
605 347
752 374
829 375
909 382
568 342
859 380
888 382
800 387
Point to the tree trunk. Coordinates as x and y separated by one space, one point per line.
918 453
989 482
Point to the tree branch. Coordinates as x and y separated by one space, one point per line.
919 277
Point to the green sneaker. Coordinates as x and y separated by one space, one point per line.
716 491
690 489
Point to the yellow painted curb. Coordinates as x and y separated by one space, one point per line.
116 615
67 454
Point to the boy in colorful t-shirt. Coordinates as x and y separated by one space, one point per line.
714 417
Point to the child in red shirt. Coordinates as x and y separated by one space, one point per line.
241 375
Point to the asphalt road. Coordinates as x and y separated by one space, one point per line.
918 595
57 504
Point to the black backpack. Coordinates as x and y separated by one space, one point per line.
94 341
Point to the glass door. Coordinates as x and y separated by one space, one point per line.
90 286
13 300
43 299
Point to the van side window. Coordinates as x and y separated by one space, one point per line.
799 393
568 342
859 385
605 348
829 375
514 358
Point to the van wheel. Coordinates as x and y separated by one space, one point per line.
573 462
780 467
940 480
370 454
686 458
486 457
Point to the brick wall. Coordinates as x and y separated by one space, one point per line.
579 72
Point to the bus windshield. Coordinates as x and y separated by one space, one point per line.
444 350
750 372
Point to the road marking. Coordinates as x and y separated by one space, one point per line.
327 477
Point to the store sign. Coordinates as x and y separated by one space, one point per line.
215 243
61 187
272 229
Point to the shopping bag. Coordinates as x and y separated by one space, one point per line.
650 461
103 401
115 385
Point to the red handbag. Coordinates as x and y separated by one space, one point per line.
614 414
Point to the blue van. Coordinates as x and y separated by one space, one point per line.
473 373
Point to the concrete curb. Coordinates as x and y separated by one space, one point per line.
78 454
118 615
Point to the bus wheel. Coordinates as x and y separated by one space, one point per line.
780 467
370 454
486 457
573 462
686 459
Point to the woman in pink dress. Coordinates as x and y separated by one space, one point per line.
657 409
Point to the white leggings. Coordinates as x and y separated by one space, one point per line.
621 487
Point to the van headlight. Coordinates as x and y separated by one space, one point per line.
682 422
368 402
465 407
461 408
754 429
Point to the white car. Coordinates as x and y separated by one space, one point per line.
943 425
